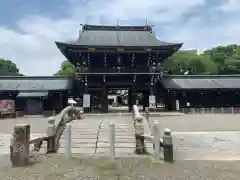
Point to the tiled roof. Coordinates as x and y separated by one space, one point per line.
32 94
201 82
119 38
133 36
25 83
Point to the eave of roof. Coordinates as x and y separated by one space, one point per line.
202 76
33 83
90 27
201 82
32 94
118 36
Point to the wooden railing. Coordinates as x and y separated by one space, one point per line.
20 142
210 110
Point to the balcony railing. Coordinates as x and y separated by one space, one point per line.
120 70
211 110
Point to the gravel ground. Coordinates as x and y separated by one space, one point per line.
38 124
57 167
200 122
182 123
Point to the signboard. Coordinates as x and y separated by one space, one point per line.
71 101
91 49
7 106
177 105
86 100
152 100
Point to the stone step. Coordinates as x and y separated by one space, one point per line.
89 122
105 131
93 128
82 136
75 134
90 151
93 140
92 136
102 129
102 145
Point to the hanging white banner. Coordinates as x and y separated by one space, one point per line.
152 99
177 105
86 101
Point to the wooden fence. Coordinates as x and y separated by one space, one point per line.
211 110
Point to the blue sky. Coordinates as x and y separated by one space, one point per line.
28 28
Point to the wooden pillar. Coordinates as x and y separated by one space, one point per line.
145 99
130 100
19 148
183 99
134 97
104 100
51 130
170 101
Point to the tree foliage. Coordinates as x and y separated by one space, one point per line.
66 69
219 60
8 68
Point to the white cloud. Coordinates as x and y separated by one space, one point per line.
230 6
31 45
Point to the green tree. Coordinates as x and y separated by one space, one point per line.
8 68
191 62
227 58
218 60
67 69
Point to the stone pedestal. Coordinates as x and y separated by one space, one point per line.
19 148
139 134
168 146
51 129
